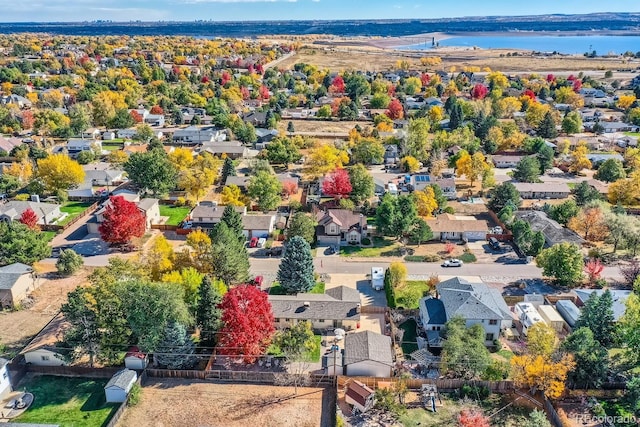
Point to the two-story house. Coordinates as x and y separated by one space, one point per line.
476 303
419 182
336 226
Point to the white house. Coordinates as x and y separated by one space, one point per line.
127 133
476 303
528 315
195 135
42 351
135 359
156 120
360 396
501 161
16 281
91 133
543 190
5 381
108 135
75 146
46 212
258 225
368 354
120 385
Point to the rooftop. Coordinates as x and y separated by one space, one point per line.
367 345
122 379
9 274
340 303
471 300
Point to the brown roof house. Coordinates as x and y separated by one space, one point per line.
449 227
42 350
336 226
16 281
361 397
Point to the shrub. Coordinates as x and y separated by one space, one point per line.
474 392
69 262
180 201
22 197
414 258
134 395
388 290
449 210
366 241
432 258
468 257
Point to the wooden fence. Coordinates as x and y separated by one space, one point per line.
73 371
372 309
552 414
164 227
442 384
256 377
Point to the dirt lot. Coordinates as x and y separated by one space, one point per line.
18 327
320 126
171 402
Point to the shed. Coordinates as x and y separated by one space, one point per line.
5 381
135 359
368 354
360 396
552 317
119 385
569 311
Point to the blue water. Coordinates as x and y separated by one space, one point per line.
564 44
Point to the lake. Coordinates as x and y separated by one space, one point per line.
563 44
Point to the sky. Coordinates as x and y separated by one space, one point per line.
238 10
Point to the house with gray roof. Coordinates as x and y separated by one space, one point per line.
597 158
47 213
542 190
16 282
553 231
368 354
476 303
340 225
338 307
619 297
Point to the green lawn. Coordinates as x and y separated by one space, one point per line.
408 295
382 247
69 402
276 289
72 209
634 134
409 344
49 235
114 147
176 214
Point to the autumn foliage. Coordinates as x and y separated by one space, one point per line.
289 188
247 323
593 268
479 91
122 222
449 248
395 110
337 85
472 418
137 117
541 373
29 218
337 184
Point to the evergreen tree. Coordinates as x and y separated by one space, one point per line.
592 360
230 257
545 157
228 169
290 127
176 350
232 218
547 128
585 193
456 117
296 272
208 314
502 195
527 170
597 315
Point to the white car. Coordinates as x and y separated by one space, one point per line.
452 263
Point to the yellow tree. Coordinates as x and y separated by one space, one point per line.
435 114
159 258
563 146
541 373
590 222
200 244
541 340
410 164
498 80
117 158
625 191
437 166
231 195
324 159
625 101
426 201
579 159
496 135
535 114
22 171
507 106
181 158
472 167
632 158
566 95
60 172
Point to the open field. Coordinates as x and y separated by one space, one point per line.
320 126
369 58
186 403
20 326
69 402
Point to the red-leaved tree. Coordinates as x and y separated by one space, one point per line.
449 248
122 222
137 117
529 94
425 79
550 78
247 323
29 218
263 92
337 85
594 268
472 418
577 85
27 119
156 109
395 110
479 91
337 184
289 188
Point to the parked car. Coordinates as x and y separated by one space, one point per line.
454 262
277 251
253 242
494 243
261 242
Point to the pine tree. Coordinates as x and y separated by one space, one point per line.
296 272
290 127
230 257
456 117
597 315
228 169
232 218
176 349
208 314
547 128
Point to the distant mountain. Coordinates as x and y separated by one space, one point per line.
625 22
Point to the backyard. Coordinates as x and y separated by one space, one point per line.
68 402
276 289
176 214
409 340
408 295
72 209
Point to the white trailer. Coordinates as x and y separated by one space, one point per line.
377 278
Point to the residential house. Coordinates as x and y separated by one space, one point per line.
108 135
156 120
298 113
17 280
47 213
232 149
265 136
91 133
127 133
553 232
619 297
75 146
338 307
368 354
476 303
119 386
626 141
42 350
18 100
361 397
5 381
504 161
391 154
336 226
543 190
256 118
257 225
207 214
150 208
419 182
8 144
104 178
240 181
135 359
601 187
433 317
597 158
450 227
196 135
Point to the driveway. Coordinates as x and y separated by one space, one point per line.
368 295
91 245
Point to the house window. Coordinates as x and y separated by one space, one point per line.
489 337
45 358
333 229
277 320
4 375
321 320
493 322
287 320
